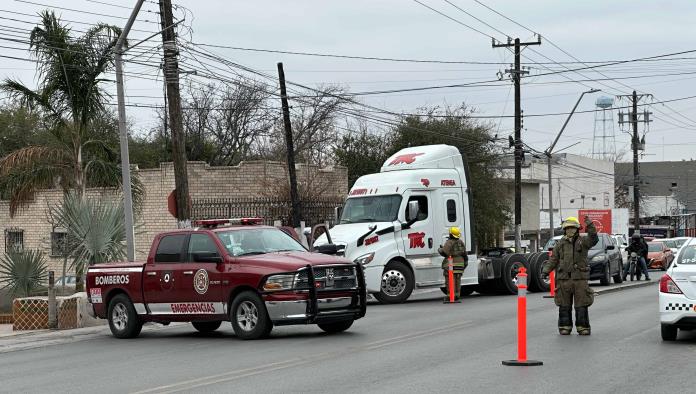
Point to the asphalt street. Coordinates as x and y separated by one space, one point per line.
422 346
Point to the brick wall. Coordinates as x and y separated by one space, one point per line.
249 179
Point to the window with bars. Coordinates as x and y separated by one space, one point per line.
14 240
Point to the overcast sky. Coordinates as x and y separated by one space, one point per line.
588 30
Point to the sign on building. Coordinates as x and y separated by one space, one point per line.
600 217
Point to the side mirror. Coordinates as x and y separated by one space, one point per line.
338 211
413 208
327 249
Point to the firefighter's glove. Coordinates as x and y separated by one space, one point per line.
588 221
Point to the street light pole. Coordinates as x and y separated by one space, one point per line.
123 135
549 153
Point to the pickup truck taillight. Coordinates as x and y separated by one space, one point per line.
667 285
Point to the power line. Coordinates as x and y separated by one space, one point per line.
455 20
82 11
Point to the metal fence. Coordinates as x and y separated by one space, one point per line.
271 210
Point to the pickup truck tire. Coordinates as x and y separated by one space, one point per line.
123 320
249 316
336 327
206 326
397 283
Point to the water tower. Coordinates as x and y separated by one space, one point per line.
604 139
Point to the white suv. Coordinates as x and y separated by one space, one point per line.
678 294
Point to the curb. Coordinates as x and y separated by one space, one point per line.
626 287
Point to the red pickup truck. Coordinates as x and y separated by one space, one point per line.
251 275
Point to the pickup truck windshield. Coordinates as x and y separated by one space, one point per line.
249 241
371 209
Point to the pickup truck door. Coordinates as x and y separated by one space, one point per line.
175 286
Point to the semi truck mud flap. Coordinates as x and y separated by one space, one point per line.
485 270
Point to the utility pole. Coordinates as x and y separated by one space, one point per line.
637 144
290 147
171 77
123 135
516 75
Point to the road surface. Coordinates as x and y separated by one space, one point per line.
422 346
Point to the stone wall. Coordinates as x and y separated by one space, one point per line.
249 179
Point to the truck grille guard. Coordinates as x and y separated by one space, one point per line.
357 308
313 302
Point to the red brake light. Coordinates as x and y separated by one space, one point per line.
667 285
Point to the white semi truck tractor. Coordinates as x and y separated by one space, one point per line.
394 221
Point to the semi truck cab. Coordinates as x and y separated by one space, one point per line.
394 221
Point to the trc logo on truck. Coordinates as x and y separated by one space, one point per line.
415 240
409 158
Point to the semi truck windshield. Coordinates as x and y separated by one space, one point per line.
371 209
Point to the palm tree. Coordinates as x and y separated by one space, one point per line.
71 100
23 272
95 230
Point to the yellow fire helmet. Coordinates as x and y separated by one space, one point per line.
455 232
571 221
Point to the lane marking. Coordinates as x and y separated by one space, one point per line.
242 373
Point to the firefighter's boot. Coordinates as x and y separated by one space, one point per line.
582 320
565 320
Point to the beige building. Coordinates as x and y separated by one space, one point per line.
31 228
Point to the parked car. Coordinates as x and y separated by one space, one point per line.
670 243
659 255
604 259
621 243
68 280
678 294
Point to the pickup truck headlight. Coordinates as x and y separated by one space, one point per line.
280 282
365 259
598 258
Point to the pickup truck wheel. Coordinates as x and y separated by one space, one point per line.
249 316
397 283
206 326
123 320
336 327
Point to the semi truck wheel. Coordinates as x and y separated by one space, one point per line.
123 320
206 326
508 274
249 316
397 283
336 327
536 267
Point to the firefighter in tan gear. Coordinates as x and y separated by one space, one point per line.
454 247
569 258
